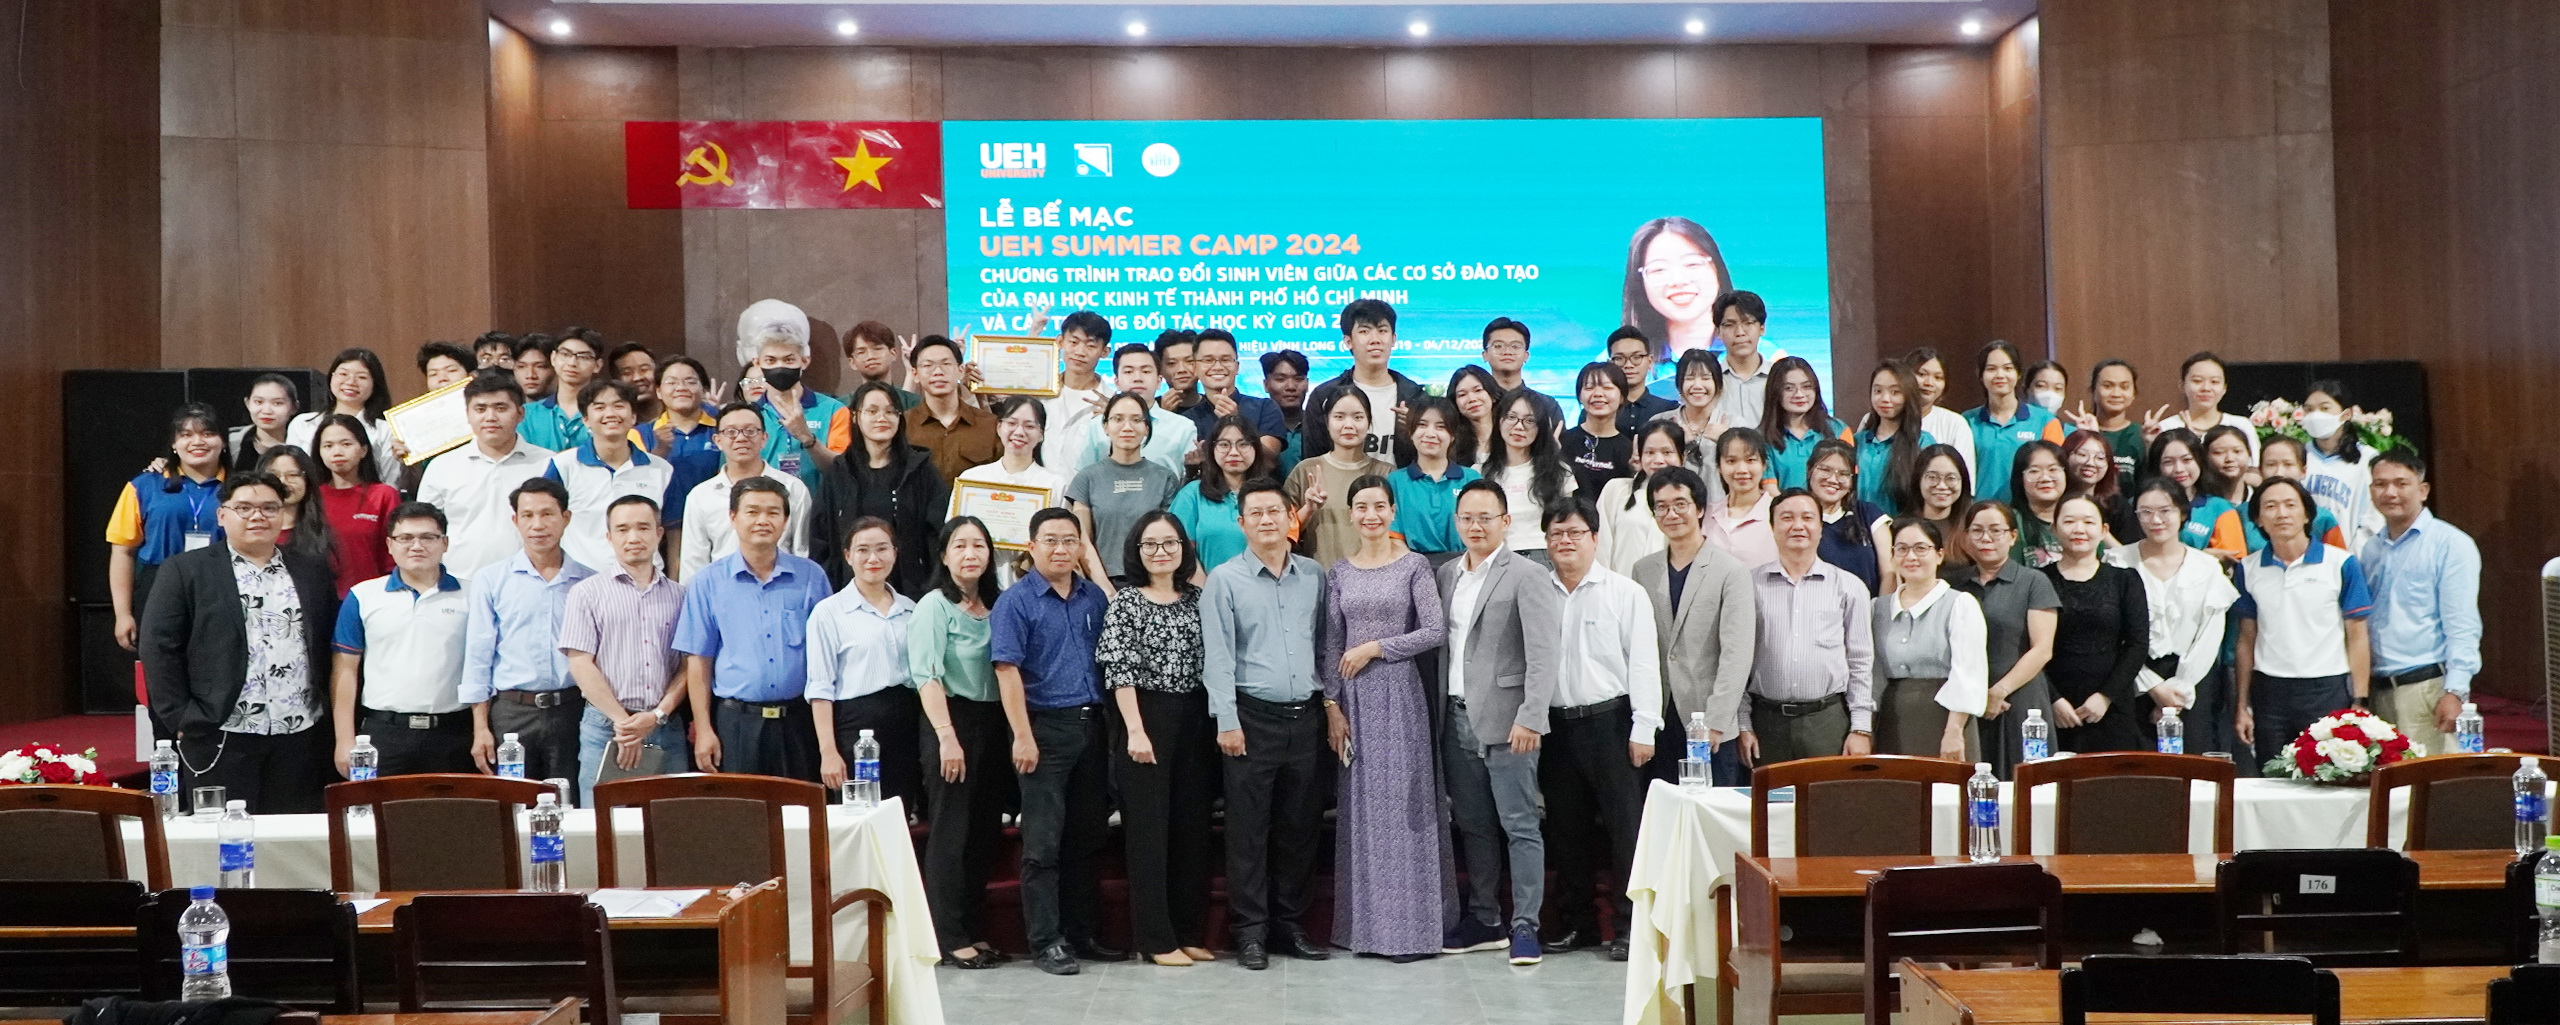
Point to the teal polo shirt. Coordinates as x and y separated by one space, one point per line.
1427 506
1996 444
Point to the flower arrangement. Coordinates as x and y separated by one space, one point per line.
48 763
2342 747
2283 418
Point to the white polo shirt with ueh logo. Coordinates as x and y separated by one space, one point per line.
411 643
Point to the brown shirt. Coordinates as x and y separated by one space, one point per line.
969 440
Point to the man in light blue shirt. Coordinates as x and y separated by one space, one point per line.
513 675
2425 578
744 632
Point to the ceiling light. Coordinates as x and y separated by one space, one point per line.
1696 27
1417 28
1971 27
847 28
560 27
1137 30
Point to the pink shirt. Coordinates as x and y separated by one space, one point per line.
1745 537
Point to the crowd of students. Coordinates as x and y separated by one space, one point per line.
1472 629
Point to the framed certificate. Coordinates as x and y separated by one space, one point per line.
1006 509
431 423
1015 365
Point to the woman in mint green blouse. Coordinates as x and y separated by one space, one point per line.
1206 507
968 766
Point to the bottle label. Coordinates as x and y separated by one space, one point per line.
867 770
549 848
511 770
360 773
2546 893
2170 745
2034 748
2532 807
2471 741
164 781
1700 751
1986 814
239 855
206 958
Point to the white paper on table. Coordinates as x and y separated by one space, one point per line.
621 902
364 904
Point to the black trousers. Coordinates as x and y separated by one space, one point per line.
892 715
967 819
1275 810
774 739
1066 819
280 774
549 735
443 745
1595 800
1164 813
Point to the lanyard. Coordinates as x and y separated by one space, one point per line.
195 501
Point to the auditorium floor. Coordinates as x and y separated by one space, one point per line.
1580 988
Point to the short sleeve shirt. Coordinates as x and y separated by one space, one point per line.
1049 639
2302 608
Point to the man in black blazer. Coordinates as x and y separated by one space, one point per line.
235 652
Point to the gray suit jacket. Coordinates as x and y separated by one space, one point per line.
1707 642
1511 649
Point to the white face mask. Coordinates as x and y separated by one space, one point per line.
2322 424
2050 400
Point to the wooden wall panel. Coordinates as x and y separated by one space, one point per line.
1929 133
516 178
2019 311
601 264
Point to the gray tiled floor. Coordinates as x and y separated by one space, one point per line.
1579 988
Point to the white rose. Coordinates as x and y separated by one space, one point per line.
2320 728
15 766
2348 756
84 766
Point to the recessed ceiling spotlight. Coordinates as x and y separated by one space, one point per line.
1971 27
1417 28
847 28
1137 30
1695 27
560 27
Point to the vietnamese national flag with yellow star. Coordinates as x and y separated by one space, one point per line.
778 165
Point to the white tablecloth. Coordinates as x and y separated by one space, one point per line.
1690 838
867 849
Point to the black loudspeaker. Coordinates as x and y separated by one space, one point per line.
2397 385
114 423
105 669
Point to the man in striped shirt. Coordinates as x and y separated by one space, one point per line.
619 632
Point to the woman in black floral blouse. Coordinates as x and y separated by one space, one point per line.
1150 657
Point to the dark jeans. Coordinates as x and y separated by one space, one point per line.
1066 816
549 735
1164 810
1584 772
775 739
893 715
407 750
278 775
1275 810
2284 707
967 819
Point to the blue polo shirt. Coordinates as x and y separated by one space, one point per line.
694 459
1262 413
549 426
1426 507
755 632
155 521
1996 444
1050 639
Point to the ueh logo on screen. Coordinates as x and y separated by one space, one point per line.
1160 159
1093 158
1013 159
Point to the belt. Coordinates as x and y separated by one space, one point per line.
415 720
1587 711
2405 677
763 709
1077 711
1794 709
1291 709
541 698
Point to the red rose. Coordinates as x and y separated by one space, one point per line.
2306 758
56 772
2349 732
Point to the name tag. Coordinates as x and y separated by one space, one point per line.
771 711
198 539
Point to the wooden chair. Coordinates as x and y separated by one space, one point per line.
291 946
63 831
64 941
2456 802
2198 984
1962 913
480 951
2524 917
2142 799
721 829
2334 907
1871 805
2529 995
435 831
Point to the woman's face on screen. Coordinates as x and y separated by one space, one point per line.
1679 279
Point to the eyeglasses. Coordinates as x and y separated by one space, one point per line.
1625 358
1214 361
2155 515
1159 547
571 354
1519 420
416 539
1233 445
248 510
1506 346
741 433
1941 477
1569 534
1989 530
1922 548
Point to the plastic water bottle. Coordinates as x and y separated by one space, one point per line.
239 851
2546 899
364 761
1982 814
204 948
1693 769
2470 731
2533 810
2035 737
550 872
164 778
866 771
2173 733
511 757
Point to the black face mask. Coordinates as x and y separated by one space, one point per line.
782 378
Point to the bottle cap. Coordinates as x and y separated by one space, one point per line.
2531 762
866 733
199 893
235 806
2551 843
546 800
363 739
1982 766
2470 709
511 738
2036 714
161 745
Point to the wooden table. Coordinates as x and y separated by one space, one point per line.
1823 898
2028 996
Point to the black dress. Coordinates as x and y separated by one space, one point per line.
2098 648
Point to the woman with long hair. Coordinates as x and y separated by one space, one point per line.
1739 523
1427 490
1596 449
2039 480
1944 426
1112 492
2019 613
1627 528
1534 478
1207 505
1675 271
880 474
1889 440
1933 675
1945 492
1701 383
164 511
968 766
2188 594
357 388
1853 532
273 400
1150 654
1382 611
2004 424
1319 488
358 503
1793 419
2092 468
2213 524
1022 423
2226 449
2202 382
2104 639
1474 392
304 527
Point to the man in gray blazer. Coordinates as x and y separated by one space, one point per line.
1498 677
1705 615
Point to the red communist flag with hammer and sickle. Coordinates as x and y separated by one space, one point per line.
776 165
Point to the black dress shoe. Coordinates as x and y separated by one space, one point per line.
1409 958
1297 945
1251 955
1618 949
1093 950
1058 960
973 962
1564 941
